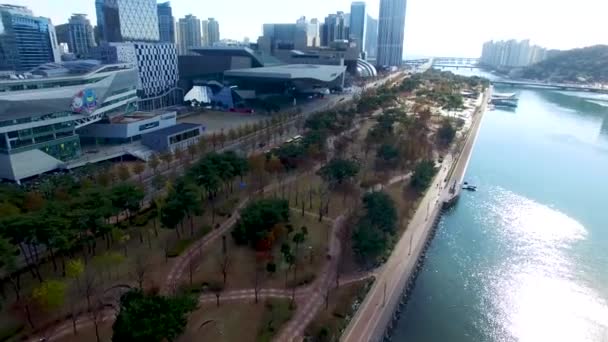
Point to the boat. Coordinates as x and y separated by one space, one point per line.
509 100
469 187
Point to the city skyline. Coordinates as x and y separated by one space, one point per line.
433 27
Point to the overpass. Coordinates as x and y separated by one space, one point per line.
545 85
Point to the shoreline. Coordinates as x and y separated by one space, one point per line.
380 308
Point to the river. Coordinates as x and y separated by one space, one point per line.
525 258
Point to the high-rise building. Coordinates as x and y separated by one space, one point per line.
81 35
371 37
308 31
166 23
156 65
357 24
128 20
189 34
26 41
99 14
334 28
211 32
511 54
63 33
391 27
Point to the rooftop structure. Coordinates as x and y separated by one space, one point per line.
321 73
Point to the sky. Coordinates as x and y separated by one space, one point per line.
433 27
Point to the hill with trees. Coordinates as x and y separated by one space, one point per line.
586 65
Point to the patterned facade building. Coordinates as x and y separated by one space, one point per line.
156 65
128 20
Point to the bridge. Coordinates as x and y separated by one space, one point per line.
545 85
447 62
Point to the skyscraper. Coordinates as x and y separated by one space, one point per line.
391 27
371 37
357 25
26 41
335 28
99 14
211 32
128 20
81 35
166 23
311 31
189 33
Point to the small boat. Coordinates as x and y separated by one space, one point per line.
469 187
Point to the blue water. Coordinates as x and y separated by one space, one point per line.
526 257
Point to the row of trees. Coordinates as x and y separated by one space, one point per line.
212 174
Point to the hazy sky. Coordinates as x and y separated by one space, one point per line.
433 27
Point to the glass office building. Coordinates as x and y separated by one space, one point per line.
166 23
128 20
391 27
358 18
26 41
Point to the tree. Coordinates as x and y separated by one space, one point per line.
151 318
367 243
172 213
380 211
258 220
388 155
74 270
192 150
190 201
423 175
446 133
178 154
123 172
167 158
127 197
8 264
49 295
154 162
140 270
138 169
338 171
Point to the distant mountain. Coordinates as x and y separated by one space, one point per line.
586 65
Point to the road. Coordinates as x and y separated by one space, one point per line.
376 311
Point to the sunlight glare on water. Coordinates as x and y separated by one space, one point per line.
535 292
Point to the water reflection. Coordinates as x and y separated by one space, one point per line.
535 291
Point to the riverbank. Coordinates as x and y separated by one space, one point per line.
379 307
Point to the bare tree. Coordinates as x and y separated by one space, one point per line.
140 270
89 285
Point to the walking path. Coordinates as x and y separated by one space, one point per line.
314 301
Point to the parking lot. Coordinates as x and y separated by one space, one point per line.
215 121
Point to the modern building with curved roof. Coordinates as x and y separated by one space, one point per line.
365 69
41 110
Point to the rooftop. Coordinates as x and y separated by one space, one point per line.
262 58
179 128
324 73
63 69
